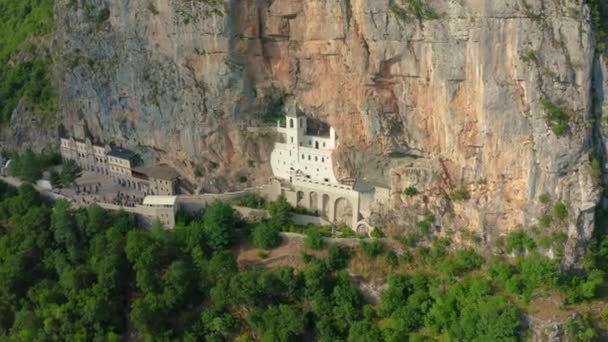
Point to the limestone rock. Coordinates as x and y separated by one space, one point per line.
443 103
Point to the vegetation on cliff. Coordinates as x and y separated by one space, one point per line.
89 274
25 29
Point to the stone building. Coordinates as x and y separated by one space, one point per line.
162 208
302 160
121 165
157 180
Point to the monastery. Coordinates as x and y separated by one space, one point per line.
302 162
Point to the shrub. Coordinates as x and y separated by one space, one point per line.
406 257
337 257
392 259
556 118
596 168
461 194
410 239
410 191
560 211
580 329
251 200
262 254
544 198
461 262
314 238
546 220
425 226
243 179
519 242
376 233
266 236
373 248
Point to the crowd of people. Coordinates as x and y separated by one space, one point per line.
126 200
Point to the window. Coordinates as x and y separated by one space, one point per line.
322 160
316 158
317 145
309 157
301 124
323 144
292 140
303 157
290 123
309 142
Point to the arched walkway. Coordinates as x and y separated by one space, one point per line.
300 199
325 207
314 202
343 211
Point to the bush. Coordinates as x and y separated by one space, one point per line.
596 168
546 220
29 166
377 233
410 191
410 239
580 329
266 236
560 211
519 242
392 259
337 257
461 262
556 118
314 238
251 200
461 194
544 198
373 248
70 172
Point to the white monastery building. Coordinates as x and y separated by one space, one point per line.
308 154
302 160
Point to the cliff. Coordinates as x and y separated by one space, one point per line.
482 106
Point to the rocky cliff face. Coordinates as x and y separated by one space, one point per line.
451 101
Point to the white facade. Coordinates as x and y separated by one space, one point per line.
303 154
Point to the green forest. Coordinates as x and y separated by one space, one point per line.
94 275
25 29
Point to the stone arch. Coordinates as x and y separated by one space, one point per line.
325 206
362 229
314 201
343 211
300 202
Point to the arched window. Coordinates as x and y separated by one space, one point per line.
316 158
322 160
323 144
290 123
303 157
317 145
309 157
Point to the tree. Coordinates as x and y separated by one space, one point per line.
26 167
70 172
362 331
278 323
314 238
266 236
280 213
219 225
